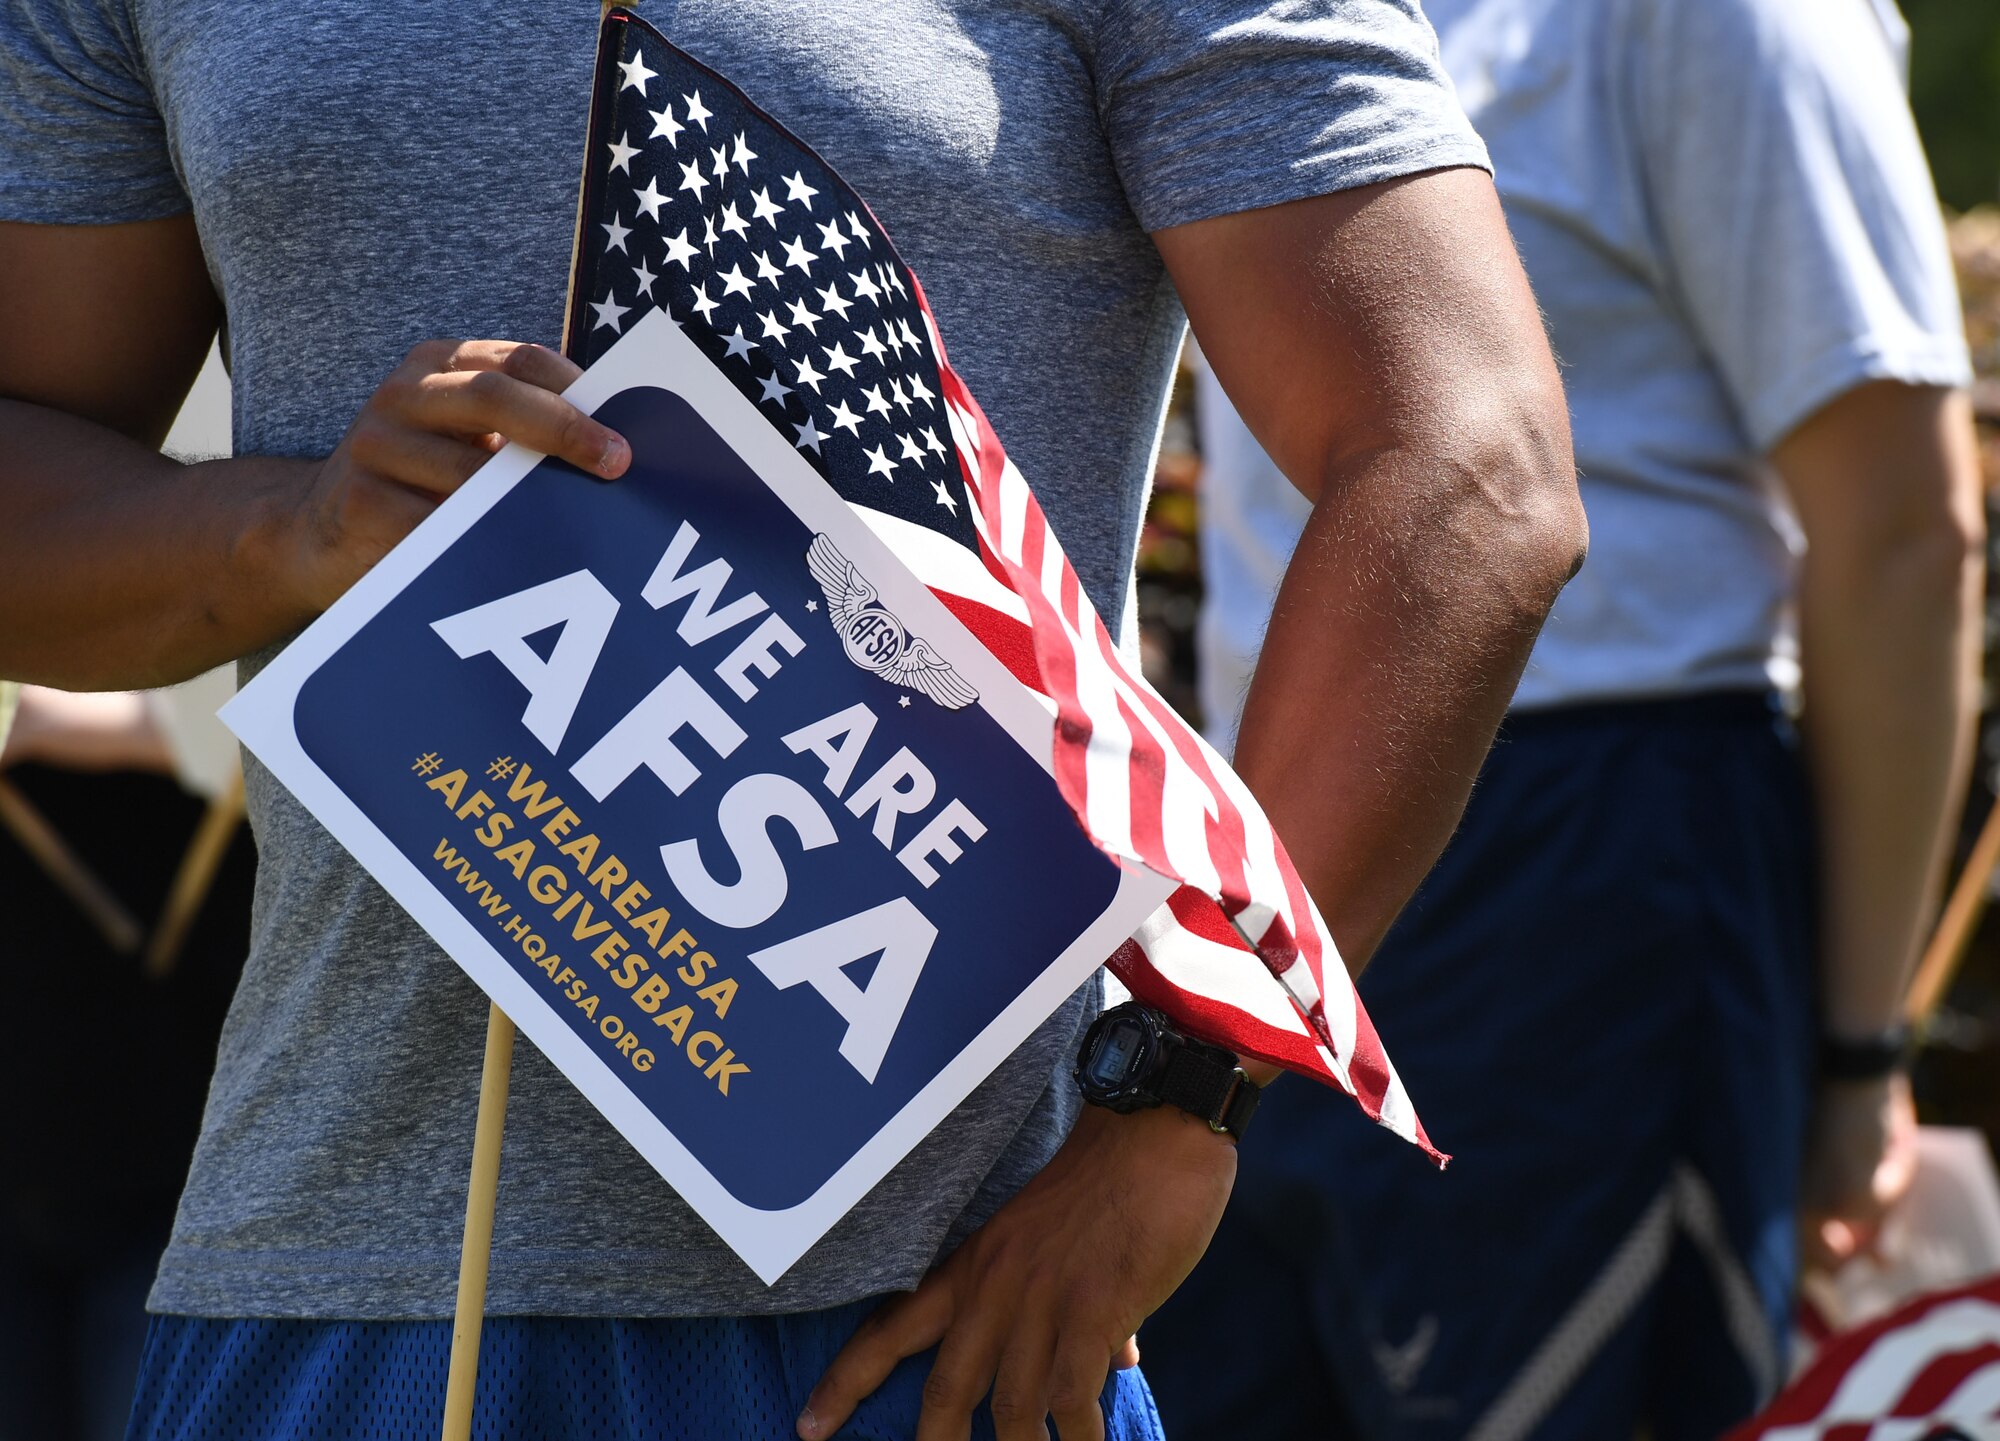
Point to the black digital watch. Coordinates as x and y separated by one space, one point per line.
1133 1058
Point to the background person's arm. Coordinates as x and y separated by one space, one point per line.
1383 344
89 731
1886 483
120 567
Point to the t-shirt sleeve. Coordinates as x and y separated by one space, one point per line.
1800 228
1217 106
81 141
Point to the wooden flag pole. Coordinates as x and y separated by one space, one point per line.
477 1248
192 882
1954 932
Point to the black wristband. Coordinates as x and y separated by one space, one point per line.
1844 1058
1206 1081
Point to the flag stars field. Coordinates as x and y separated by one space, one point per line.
772 279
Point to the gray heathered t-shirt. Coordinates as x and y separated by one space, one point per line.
366 176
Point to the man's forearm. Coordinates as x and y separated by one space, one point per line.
1400 631
121 568
1890 612
1402 380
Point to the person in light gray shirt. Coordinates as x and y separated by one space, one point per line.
378 202
1657 977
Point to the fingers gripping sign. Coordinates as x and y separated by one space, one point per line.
1042 1302
437 418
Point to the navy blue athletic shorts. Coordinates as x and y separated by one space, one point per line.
540 1379
1602 1003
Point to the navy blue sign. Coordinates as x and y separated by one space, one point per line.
751 837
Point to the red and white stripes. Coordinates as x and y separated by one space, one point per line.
1148 789
1929 1370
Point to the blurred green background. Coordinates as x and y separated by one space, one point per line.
1955 90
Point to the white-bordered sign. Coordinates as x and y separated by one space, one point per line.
713 797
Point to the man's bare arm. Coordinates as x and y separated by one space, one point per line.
1388 354
1383 343
120 567
1886 484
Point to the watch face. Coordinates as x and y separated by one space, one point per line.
1119 1057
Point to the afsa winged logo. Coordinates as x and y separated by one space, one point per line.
874 638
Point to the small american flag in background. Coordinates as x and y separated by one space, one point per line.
697 202
1927 1372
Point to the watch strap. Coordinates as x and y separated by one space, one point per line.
1867 1058
1206 1082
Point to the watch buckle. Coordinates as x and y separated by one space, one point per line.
1236 1084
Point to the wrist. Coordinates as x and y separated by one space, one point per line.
1164 1133
273 549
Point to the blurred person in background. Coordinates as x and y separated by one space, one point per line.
1652 994
104 1065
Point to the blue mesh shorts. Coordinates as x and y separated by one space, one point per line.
540 1379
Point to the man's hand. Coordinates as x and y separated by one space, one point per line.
438 417
1860 1161
1042 1300
121 568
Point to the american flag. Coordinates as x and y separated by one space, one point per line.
697 202
1927 1372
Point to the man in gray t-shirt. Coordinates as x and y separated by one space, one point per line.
339 182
